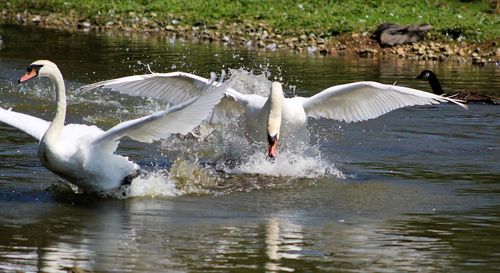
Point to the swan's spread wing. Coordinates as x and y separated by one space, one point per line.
32 126
231 106
173 88
366 100
181 118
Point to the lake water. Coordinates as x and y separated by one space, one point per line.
417 189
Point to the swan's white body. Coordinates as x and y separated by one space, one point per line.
280 116
285 117
84 155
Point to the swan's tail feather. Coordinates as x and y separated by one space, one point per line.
222 76
149 69
457 102
213 77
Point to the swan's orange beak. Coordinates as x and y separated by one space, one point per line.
29 75
273 146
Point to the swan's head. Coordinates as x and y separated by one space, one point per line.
273 145
425 74
41 68
274 121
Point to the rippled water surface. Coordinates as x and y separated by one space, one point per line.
415 190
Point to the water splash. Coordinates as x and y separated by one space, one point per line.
185 177
287 164
227 144
191 178
151 184
246 82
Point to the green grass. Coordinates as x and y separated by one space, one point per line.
473 20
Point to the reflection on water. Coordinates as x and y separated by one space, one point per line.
283 241
151 235
415 190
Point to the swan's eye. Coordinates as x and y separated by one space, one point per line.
37 67
34 66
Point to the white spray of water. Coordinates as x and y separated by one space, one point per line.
289 164
185 177
153 184
248 83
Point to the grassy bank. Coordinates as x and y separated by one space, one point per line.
471 20
467 31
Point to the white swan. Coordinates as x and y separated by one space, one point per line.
280 118
84 155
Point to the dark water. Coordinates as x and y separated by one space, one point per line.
415 190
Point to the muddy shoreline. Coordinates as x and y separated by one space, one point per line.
260 36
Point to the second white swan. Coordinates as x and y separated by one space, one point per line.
275 117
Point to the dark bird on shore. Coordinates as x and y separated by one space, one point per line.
388 34
463 95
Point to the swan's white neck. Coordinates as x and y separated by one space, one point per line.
55 129
275 101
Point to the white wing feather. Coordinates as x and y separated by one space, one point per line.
182 118
32 126
366 100
173 88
